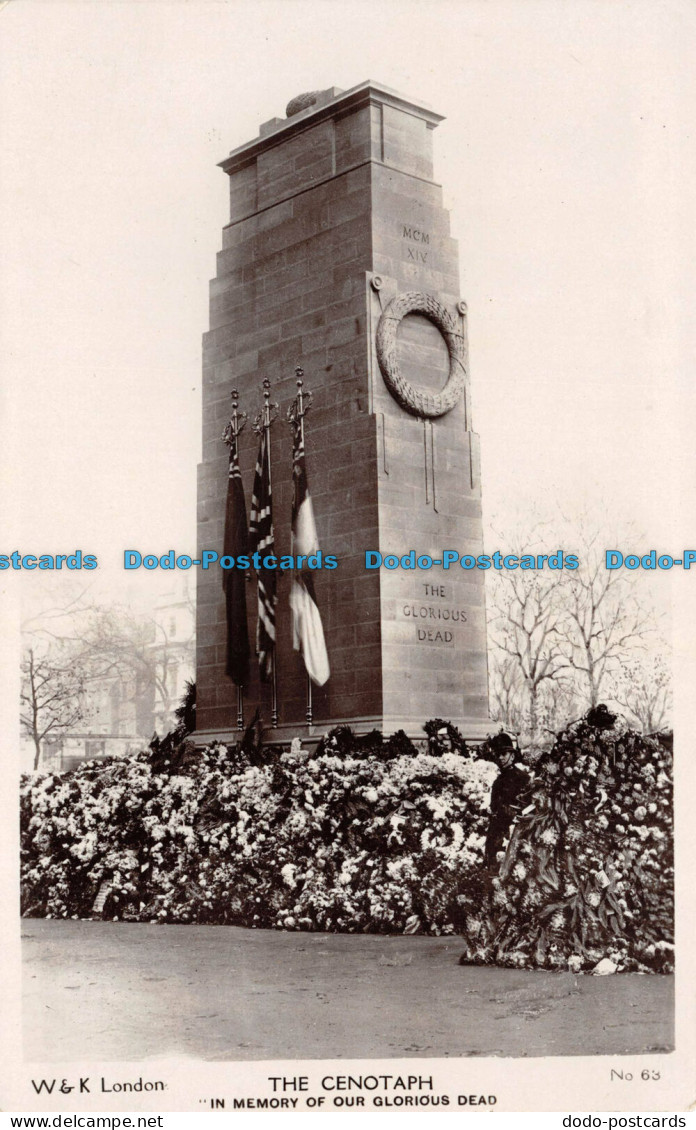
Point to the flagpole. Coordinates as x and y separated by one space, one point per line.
267 426
231 438
309 715
297 412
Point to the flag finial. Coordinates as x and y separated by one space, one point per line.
269 413
237 422
302 402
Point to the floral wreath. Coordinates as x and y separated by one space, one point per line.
420 403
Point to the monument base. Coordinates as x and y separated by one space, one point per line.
473 732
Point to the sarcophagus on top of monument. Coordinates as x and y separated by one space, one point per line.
338 258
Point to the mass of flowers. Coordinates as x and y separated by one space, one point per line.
588 875
386 839
368 836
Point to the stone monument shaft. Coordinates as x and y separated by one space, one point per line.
338 258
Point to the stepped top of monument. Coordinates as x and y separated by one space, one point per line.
316 105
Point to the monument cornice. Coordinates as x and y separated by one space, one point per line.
366 93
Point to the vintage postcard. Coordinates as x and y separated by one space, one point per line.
348 557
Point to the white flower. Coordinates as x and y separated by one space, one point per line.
457 836
604 967
438 807
549 836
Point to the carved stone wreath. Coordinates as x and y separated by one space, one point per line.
415 400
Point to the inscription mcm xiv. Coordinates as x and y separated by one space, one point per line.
416 235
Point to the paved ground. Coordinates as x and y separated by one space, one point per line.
126 991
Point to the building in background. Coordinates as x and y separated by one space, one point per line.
173 651
128 700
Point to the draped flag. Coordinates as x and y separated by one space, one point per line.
234 580
307 630
261 533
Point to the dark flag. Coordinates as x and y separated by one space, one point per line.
307 630
236 543
261 534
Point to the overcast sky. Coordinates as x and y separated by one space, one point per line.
564 161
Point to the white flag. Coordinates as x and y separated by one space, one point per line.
307 630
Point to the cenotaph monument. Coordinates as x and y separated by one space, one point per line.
338 258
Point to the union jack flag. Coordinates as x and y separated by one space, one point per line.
261 536
234 580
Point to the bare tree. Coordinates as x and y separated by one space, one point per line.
140 652
605 618
644 691
562 637
117 644
506 690
128 664
560 703
51 696
527 628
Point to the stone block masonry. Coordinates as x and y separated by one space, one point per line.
334 211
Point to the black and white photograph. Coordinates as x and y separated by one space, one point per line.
348 556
